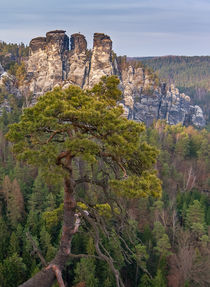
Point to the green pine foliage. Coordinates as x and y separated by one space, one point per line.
85 272
159 281
195 218
12 271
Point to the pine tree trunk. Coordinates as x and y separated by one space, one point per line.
46 276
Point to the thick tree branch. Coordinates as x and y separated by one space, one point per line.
53 135
61 156
67 155
58 274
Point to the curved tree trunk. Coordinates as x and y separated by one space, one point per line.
46 276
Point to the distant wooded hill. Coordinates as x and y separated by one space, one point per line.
190 74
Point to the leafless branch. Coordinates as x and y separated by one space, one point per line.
84 256
108 259
36 249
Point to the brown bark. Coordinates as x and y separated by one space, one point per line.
58 275
46 276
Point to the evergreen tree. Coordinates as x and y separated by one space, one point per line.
85 272
14 245
158 281
6 188
67 125
13 271
195 218
15 204
4 238
145 281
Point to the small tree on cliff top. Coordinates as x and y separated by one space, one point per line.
67 125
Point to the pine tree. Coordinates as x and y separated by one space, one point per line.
195 219
45 241
15 205
6 188
4 238
13 271
158 281
38 199
13 245
85 272
145 281
67 125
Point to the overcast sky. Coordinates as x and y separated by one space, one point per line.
136 27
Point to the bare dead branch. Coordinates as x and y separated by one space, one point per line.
36 249
84 256
107 259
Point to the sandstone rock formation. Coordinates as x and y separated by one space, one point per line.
47 62
8 82
52 63
78 61
101 60
7 86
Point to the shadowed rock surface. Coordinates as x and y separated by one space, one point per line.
78 43
38 43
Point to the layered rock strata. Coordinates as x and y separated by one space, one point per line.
52 63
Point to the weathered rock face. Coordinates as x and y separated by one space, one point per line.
8 83
46 65
37 43
7 86
51 63
101 61
78 43
78 62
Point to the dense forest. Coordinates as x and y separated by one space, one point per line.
146 239
191 75
131 229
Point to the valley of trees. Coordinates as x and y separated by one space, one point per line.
191 75
129 231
